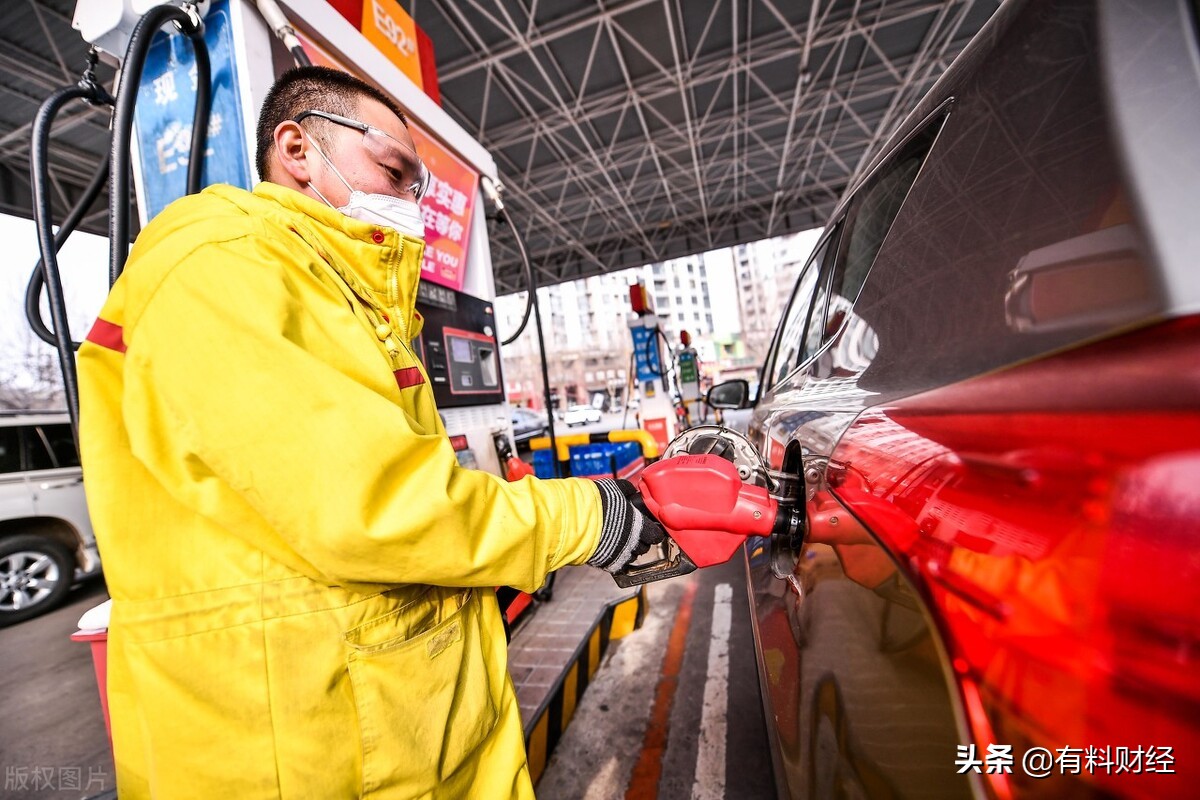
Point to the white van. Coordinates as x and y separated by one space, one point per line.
46 539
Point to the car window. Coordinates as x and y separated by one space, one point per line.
870 217
10 451
808 299
37 449
62 444
814 326
788 340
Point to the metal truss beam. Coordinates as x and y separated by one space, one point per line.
698 145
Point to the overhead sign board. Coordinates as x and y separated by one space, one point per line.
389 27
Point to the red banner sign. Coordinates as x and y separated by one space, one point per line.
446 210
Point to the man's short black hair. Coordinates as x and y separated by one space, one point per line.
303 88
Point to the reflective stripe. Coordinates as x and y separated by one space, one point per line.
409 376
107 334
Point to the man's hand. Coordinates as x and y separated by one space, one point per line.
628 529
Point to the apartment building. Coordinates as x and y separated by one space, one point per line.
729 300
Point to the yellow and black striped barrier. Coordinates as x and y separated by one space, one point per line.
649 445
546 726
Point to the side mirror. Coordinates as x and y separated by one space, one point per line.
729 394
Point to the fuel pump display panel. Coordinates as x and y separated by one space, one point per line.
474 366
458 347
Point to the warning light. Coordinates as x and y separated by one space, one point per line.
639 301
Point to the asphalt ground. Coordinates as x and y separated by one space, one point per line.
674 711
52 740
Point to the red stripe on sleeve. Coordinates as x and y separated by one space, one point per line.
409 376
107 334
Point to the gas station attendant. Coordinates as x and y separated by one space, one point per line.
301 572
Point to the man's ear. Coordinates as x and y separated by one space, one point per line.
290 150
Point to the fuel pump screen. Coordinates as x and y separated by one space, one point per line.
472 362
460 350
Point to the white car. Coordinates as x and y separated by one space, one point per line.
46 539
580 415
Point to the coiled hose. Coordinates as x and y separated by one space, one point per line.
115 170
39 169
37 278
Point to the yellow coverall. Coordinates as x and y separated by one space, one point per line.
301 572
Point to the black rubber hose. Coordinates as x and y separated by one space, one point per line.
300 57
39 169
670 357
131 76
203 109
537 321
529 299
653 342
37 278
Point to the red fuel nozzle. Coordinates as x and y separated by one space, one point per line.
706 510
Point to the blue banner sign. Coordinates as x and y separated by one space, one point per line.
166 101
645 353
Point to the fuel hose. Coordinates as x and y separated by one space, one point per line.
37 278
531 288
283 30
531 302
492 190
115 170
131 76
39 168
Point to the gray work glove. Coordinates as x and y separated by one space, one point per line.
627 531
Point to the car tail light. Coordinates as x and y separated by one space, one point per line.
1049 514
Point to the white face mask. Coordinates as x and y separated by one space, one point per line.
378 209
391 212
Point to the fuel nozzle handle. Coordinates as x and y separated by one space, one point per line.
706 510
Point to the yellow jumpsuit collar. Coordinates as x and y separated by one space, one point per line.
379 259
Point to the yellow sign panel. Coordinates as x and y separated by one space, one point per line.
389 27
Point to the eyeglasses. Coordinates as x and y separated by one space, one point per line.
404 168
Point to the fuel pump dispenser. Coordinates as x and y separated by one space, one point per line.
687 361
185 112
657 409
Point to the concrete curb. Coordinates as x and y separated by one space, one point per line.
617 619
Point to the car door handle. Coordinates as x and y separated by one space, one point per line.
61 484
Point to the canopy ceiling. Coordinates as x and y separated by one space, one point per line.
626 132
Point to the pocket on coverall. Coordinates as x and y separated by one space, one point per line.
422 692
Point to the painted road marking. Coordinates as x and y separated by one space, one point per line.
605 783
646 773
597 751
710 756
